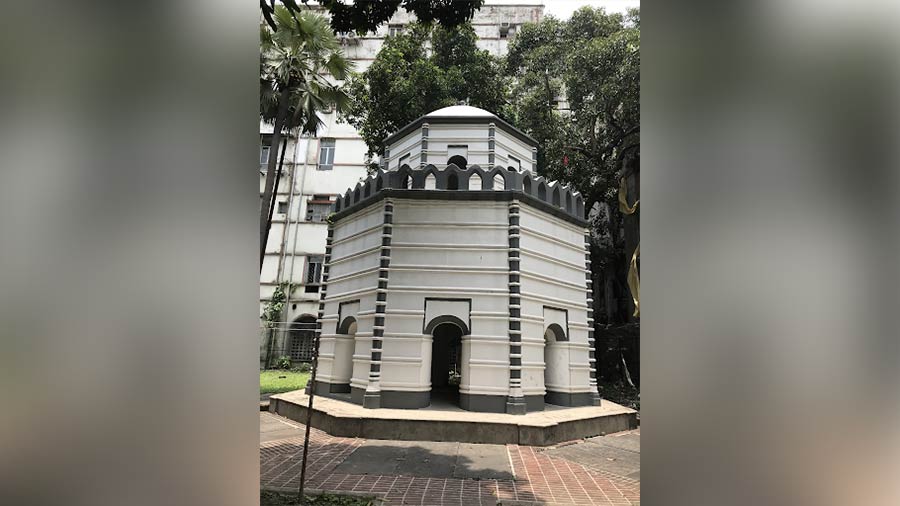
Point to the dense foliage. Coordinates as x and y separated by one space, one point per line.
365 16
592 62
418 71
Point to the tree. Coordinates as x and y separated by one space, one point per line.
294 61
418 71
366 16
592 63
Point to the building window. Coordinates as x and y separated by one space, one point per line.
326 154
318 208
313 273
507 30
282 207
515 163
403 160
394 30
265 148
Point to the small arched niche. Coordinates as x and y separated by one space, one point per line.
430 182
556 362
475 181
452 182
499 182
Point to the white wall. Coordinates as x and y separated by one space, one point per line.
425 263
353 275
552 257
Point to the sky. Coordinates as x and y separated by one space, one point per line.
563 9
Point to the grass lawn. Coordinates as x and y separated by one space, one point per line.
267 498
272 382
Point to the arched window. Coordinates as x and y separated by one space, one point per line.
526 185
430 182
458 160
556 197
475 181
542 191
452 182
405 183
499 182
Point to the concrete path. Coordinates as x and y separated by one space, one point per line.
597 471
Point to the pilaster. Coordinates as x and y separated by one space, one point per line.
515 402
372 397
491 145
589 282
423 158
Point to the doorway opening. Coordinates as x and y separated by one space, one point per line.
446 364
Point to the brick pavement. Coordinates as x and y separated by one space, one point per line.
539 479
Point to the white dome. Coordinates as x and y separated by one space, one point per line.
460 111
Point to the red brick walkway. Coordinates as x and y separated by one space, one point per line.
538 478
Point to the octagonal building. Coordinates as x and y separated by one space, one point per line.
458 277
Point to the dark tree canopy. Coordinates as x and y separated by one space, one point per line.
592 62
407 81
364 16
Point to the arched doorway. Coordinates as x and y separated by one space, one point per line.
302 339
446 364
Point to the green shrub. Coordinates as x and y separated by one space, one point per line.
283 362
303 367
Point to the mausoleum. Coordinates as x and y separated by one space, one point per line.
456 275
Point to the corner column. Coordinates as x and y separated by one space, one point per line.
589 282
372 397
323 291
515 402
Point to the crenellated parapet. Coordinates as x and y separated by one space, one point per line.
470 183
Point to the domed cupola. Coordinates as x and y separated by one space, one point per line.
461 135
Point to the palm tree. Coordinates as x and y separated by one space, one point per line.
294 62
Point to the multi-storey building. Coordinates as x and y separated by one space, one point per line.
317 169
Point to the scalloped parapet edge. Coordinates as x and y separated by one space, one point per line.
453 178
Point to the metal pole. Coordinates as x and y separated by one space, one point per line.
309 409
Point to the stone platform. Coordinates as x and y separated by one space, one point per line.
446 422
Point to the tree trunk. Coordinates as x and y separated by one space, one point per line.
265 202
631 227
274 193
